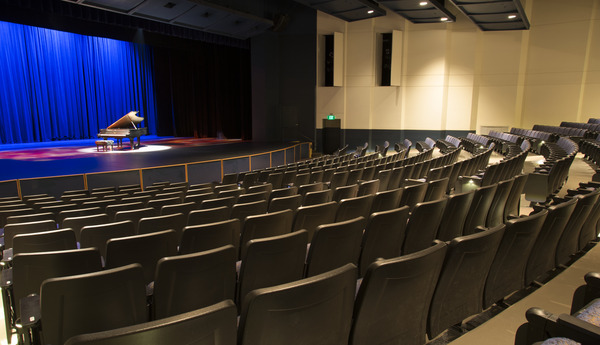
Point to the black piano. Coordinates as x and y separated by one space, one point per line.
125 127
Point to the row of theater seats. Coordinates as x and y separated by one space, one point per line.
562 131
474 205
498 261
548 178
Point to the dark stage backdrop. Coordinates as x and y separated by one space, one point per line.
203 90
56 85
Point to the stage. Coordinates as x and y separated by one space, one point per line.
72 157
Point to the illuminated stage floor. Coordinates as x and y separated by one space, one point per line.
20 161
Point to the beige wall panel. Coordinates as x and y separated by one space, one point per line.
387 108
425 53
550 104
547 12
329 100
557 48
591 104
500 52
496 106
423 107
359 55
458 114
358 107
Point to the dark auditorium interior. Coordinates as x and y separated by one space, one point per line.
237 172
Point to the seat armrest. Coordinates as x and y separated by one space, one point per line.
593 279
6 278
578 330
31 313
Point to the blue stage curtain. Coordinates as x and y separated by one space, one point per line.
56 85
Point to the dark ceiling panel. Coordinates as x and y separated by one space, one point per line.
348 10
115 5
492 15
195 14
163 10
420 11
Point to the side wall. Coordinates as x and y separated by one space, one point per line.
457 78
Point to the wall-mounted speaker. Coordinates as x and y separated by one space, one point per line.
391 58
334 59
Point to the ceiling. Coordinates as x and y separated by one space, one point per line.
488 15
195 14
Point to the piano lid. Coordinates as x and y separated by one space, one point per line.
129 120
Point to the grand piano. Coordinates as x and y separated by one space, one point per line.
125 127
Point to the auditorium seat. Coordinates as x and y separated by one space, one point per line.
275 179
386 200
495 215
541 260
436 189
393 300
569 240
111 210
351 208
384 179
507 272
175 222
423 224
319 307
29 270
281 192
98 235
183 208
589 230
455 215
354 176
253 196
135 215
513 202
291 202
480 206
199 198
334 245
383 236
345 192
77 223
192 281
265 225
30 217
145 249
241 211
466 264
142 198
368 187
10 230
215 323
338 179
209 215
63 239
235 193
218 202
67 303
318 197
270 261
413 194
310 217
197 238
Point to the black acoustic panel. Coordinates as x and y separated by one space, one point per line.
114 5
204 172
234 165
386 59
329 61
278 158
9 188
113 179
53 186
260 161
174 173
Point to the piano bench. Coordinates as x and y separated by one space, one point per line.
104 144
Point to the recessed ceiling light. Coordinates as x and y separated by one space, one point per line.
512 16
370 11
444 19
423 3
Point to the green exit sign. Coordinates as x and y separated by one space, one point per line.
330 117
